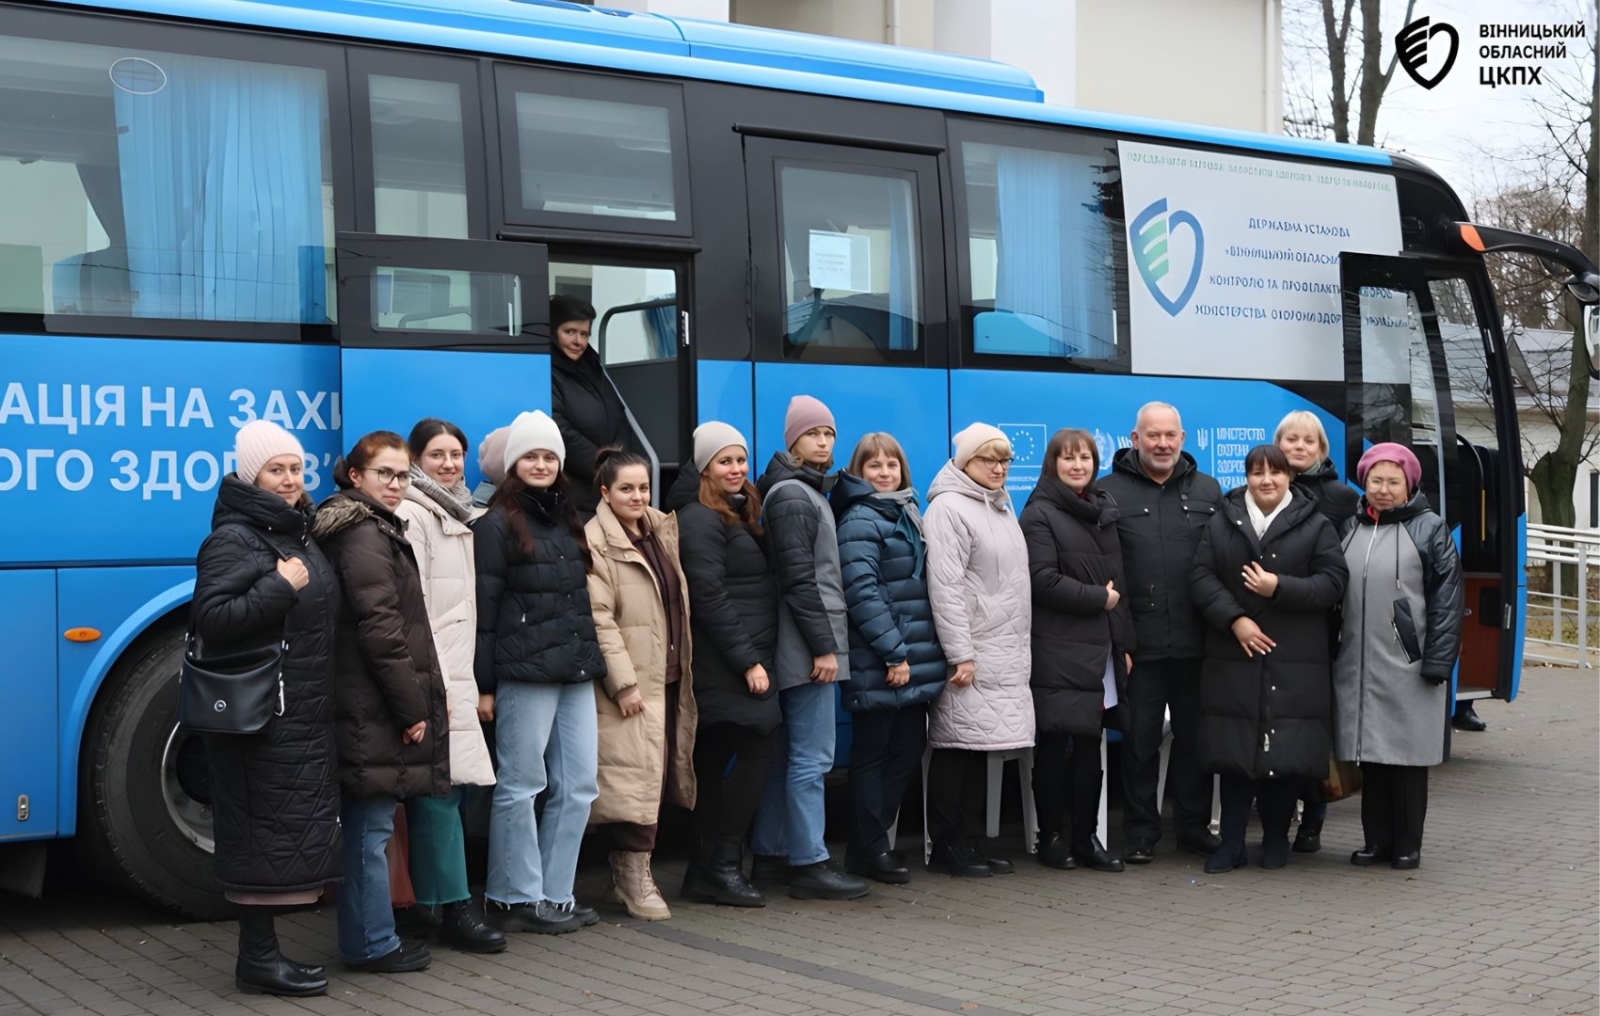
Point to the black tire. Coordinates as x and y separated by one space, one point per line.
125 827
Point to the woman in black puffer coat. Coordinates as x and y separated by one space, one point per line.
392 723
896 666
537 660
733 622
260 578
1082 638
1266 575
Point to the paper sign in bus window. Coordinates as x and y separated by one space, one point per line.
841 261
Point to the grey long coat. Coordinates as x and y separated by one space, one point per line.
1388 709
982 601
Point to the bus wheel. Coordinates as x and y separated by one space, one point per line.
144 792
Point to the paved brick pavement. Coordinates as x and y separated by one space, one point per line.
1503 917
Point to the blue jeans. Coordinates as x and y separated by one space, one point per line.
366 919
546 737
790 820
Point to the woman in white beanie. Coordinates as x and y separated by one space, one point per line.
536 663
982 600
733 625
436 510
260 580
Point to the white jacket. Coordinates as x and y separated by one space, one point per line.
449 585
978 584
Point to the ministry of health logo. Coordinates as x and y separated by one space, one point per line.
1151 234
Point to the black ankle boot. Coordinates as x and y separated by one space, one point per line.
261 968
461 926
720 879
1092 854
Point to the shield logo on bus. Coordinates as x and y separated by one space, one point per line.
1151 237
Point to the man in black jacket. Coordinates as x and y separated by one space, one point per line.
1166 503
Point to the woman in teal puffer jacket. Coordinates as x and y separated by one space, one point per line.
896 666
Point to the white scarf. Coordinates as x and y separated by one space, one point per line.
1259 521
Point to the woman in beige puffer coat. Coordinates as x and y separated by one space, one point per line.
983 610
647 714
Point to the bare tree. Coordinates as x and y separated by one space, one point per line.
1320 34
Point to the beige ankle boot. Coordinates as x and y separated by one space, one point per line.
635 887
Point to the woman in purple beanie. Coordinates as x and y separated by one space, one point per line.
1402 631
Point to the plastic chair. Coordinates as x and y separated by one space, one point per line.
995 762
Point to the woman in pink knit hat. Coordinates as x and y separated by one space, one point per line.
1402 631
260 579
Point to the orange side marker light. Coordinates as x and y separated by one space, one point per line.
82 634
1469 236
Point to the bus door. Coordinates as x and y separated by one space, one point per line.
1426 367
455 329
642 334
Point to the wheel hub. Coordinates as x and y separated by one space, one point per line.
186 787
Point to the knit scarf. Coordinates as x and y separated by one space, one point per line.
456 501
1259 522
909 525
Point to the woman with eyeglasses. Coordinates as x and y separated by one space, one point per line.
436 510
537 660
983 611
391 716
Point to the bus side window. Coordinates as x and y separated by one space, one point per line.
146 184
1045 257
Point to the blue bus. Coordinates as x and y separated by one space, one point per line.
343 215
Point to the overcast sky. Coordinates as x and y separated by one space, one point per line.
1470 134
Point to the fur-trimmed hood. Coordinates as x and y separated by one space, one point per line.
348 508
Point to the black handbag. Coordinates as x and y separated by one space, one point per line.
235 693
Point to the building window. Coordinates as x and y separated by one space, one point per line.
144 184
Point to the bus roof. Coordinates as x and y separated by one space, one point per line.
577 34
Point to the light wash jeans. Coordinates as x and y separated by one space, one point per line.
366 918
791 818
546 736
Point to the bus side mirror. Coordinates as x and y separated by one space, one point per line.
1591 338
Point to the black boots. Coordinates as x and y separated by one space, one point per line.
462 926
262 968
1092 854
719 878
820 882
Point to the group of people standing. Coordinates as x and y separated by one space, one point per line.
629 657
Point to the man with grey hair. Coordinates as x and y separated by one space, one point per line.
1166 503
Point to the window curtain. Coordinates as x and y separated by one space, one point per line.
1053 249
222 191
663 325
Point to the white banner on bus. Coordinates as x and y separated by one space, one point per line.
1234 261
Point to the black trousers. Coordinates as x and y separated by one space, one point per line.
885 750
727 797
1274 799
1154 687
1066 786
1394 802
957 788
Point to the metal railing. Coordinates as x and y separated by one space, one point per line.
1562 625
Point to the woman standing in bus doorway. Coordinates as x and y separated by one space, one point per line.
1304 442
1082 637
536 659
983 611
896 666
586 405
646 702
1402 631
261 579
1266 576
813 636
733 624
436 510
392 714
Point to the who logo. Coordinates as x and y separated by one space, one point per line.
1414 48
1152 234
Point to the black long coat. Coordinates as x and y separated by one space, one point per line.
733 612
590 415
1268 716
387 669
1334 498
534 619
274 799
1073 551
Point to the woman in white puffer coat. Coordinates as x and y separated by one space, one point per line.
983 611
